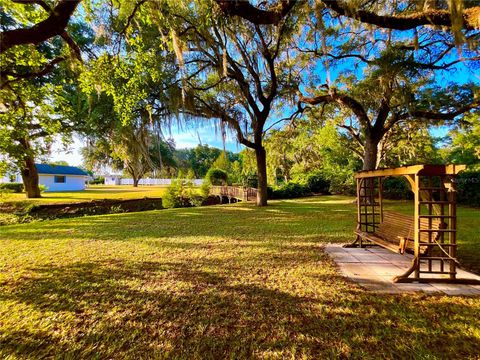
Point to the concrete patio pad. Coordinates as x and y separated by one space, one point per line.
374 267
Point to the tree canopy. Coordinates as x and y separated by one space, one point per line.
284 77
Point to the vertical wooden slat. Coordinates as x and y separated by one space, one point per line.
372 202
380 197
442 212
359 207
430 212
452 211
416 193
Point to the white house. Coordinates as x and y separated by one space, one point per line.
10 178
113 179
61 178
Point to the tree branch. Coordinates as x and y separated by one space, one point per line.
132 15
341 99
352 132
426 114
72 44
52 26
405 22
257 16
46 69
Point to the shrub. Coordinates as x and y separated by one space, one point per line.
316 183
42 188
116 209
344 188
289 190
13 187
468 188
342 181
176 196
181 193
396 188
4 194
205 189
216 176
250 181
98 181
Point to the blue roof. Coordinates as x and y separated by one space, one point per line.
59 170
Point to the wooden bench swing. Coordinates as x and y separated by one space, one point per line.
431 234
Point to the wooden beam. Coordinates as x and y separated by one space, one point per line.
438 170
404 170
422 170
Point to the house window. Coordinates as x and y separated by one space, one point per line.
59 179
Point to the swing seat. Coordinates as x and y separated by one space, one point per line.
396 233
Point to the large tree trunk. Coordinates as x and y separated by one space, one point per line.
30 178
135 181
261 157
370 154
132 170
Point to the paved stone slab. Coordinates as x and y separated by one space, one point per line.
374 268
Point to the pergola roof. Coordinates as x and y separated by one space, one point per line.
426 170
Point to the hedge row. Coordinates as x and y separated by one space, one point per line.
314 183
13 187
468 188
289 190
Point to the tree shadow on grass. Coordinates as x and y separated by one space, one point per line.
145 309
264 224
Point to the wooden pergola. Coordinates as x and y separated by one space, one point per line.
431 234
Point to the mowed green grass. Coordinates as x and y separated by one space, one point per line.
230 281
93 192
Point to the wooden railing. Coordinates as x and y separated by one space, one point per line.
237 192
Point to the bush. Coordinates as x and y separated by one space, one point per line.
205 189
397 188
176 195
98 181
250 181
181 193
289 190
216 176
343 188
4 194
316 183
468 188
13 187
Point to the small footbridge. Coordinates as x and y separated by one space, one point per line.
230 194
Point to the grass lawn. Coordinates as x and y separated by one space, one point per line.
229 281
93 192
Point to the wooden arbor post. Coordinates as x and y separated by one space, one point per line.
369 206
435 227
